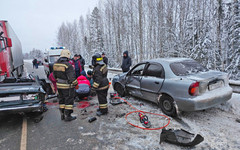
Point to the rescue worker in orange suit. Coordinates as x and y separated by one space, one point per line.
100 83
64 73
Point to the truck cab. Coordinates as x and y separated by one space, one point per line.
51 56
11 58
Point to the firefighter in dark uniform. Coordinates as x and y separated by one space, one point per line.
64 73
100 83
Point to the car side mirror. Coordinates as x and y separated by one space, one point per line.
9 42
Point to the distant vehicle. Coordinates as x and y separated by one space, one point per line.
11 58
51 56
175 84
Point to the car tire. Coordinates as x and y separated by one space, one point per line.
166 103
119 89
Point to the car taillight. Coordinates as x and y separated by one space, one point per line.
194 89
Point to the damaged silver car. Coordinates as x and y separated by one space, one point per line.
175 84
21 95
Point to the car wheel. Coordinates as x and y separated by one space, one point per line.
166 103
120 89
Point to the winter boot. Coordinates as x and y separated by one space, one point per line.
62 113
68 116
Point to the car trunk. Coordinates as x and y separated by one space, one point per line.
21 96
210 80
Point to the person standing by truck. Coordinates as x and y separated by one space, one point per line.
64 73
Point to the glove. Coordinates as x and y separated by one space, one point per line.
76 87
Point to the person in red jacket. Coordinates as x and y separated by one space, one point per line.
84 87
54 82
75 62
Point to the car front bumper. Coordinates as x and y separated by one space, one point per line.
207 100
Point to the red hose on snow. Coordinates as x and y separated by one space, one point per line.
139 111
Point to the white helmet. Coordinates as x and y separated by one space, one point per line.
65 53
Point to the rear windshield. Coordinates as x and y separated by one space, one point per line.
187 67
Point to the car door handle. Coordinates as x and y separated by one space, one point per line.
156 82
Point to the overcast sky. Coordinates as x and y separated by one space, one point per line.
36 21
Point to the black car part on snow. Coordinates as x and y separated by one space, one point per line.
180 137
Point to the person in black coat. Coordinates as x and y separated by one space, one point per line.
105 59
100 83
82 61
126 62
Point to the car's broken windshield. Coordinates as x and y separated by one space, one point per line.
187 67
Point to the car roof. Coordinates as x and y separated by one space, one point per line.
168 60
165 62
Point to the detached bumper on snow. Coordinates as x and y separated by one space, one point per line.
207 100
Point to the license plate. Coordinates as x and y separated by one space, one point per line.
215 85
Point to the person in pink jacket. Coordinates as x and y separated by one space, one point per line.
84 87
54 82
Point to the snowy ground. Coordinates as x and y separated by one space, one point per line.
217 125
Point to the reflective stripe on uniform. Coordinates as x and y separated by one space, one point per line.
62 106
75 82
104 69
95 85
99 59
69 107
101 69
60 67
63 86
102 106
102 88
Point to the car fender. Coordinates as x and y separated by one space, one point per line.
117 82
176 88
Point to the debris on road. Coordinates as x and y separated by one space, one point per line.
120 115
91 119
180 137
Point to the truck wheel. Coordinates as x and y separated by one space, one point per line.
166 103
120 89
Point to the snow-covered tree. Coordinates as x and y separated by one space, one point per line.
205 30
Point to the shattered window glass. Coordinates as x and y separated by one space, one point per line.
187 67
138 71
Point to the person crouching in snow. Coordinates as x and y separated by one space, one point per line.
84 87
